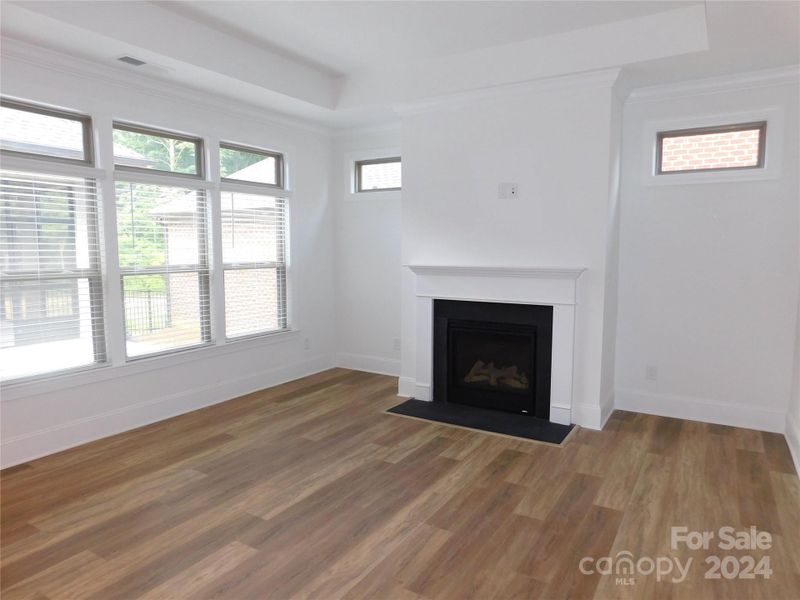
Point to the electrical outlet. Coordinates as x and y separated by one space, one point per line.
396 344
307 343
508 190
651 372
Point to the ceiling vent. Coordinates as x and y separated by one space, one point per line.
131 61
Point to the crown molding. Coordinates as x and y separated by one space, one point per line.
490 271
788 75
345 133
37 56
600 78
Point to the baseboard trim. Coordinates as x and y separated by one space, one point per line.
561 415
700 409
33 445
606 409
422 391
587 415
371 364
405 387
792 435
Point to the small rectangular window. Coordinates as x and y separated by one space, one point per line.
378 174
711 148
152 150
237 163
34 131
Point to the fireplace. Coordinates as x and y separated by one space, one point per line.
493 355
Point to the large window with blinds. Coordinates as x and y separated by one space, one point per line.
253 241
163 259
162 240
172 277
51 293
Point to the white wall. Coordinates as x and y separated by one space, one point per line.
611 300
792 430
367 257
709 271
554 139
49 415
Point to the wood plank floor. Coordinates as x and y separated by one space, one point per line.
309 490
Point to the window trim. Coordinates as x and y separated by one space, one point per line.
199 158
374 161
761 126
279 166
84 120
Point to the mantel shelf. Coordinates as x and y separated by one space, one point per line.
492 271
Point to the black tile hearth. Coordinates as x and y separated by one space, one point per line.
473 417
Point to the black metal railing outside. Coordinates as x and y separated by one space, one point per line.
146 311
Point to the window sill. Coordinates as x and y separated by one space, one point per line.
717 176
32 386
372 195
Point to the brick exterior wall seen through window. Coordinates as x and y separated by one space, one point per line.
724 150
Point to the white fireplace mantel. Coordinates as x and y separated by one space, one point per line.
548 286
489 271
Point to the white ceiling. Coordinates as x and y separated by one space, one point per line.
345 37
350 63
742 36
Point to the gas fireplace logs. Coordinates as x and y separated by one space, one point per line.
510 376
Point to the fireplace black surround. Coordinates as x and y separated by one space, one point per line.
493 355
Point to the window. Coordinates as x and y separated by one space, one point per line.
711 148
163 259
137 148
51 305
253 257
379 174
52 279
237 163
42 132
253 243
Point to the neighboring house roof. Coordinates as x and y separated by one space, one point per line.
184 204
22 131
263 170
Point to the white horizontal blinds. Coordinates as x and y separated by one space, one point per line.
51 311
254 262
163 256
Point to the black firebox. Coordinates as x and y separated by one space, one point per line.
493 355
